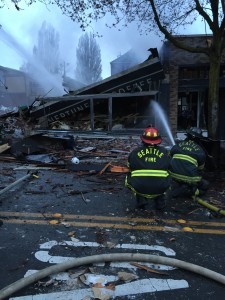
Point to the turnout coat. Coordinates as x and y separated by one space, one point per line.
148 174
187 162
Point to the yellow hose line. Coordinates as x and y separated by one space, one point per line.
210 206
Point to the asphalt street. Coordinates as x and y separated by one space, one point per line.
58 215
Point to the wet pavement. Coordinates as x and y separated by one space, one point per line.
62 214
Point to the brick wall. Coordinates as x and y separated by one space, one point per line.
172 58
173 94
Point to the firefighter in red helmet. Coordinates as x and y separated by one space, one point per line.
148 177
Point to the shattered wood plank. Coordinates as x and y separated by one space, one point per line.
4 147
7 158
105 167
143 267
119 169
33 167
50 165
119 151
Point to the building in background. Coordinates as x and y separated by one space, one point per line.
17 88
124 62
13 87
187 84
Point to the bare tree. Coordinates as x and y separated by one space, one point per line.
44 67
89 66
47 49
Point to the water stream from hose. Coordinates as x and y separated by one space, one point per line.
158 111
46 80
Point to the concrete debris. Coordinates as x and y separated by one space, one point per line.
125 276
91 279
102 293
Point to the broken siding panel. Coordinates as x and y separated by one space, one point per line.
16 84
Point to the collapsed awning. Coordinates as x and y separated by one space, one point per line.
141 80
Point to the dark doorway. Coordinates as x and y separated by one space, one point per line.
190 110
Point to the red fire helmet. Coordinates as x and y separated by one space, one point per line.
151 136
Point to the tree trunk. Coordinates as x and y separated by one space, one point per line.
213 108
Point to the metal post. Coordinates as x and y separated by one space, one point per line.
15 183
110 113
92 114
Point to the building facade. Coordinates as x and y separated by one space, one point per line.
187 84
13 87
18 88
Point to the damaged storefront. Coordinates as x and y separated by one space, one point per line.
120 102
56 129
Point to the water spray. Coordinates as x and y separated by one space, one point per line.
40 74
162 117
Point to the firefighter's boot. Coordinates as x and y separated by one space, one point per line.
203 186
141 202
160 202
179 190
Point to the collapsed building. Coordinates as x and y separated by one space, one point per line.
178 82
119 102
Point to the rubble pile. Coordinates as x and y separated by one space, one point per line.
12 125
82 122
23 139
82 151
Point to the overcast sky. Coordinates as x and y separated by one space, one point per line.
23 26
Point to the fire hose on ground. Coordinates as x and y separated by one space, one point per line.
209 206
118 257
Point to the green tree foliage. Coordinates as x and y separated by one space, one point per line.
89 66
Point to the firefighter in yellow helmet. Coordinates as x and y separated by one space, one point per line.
148 177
